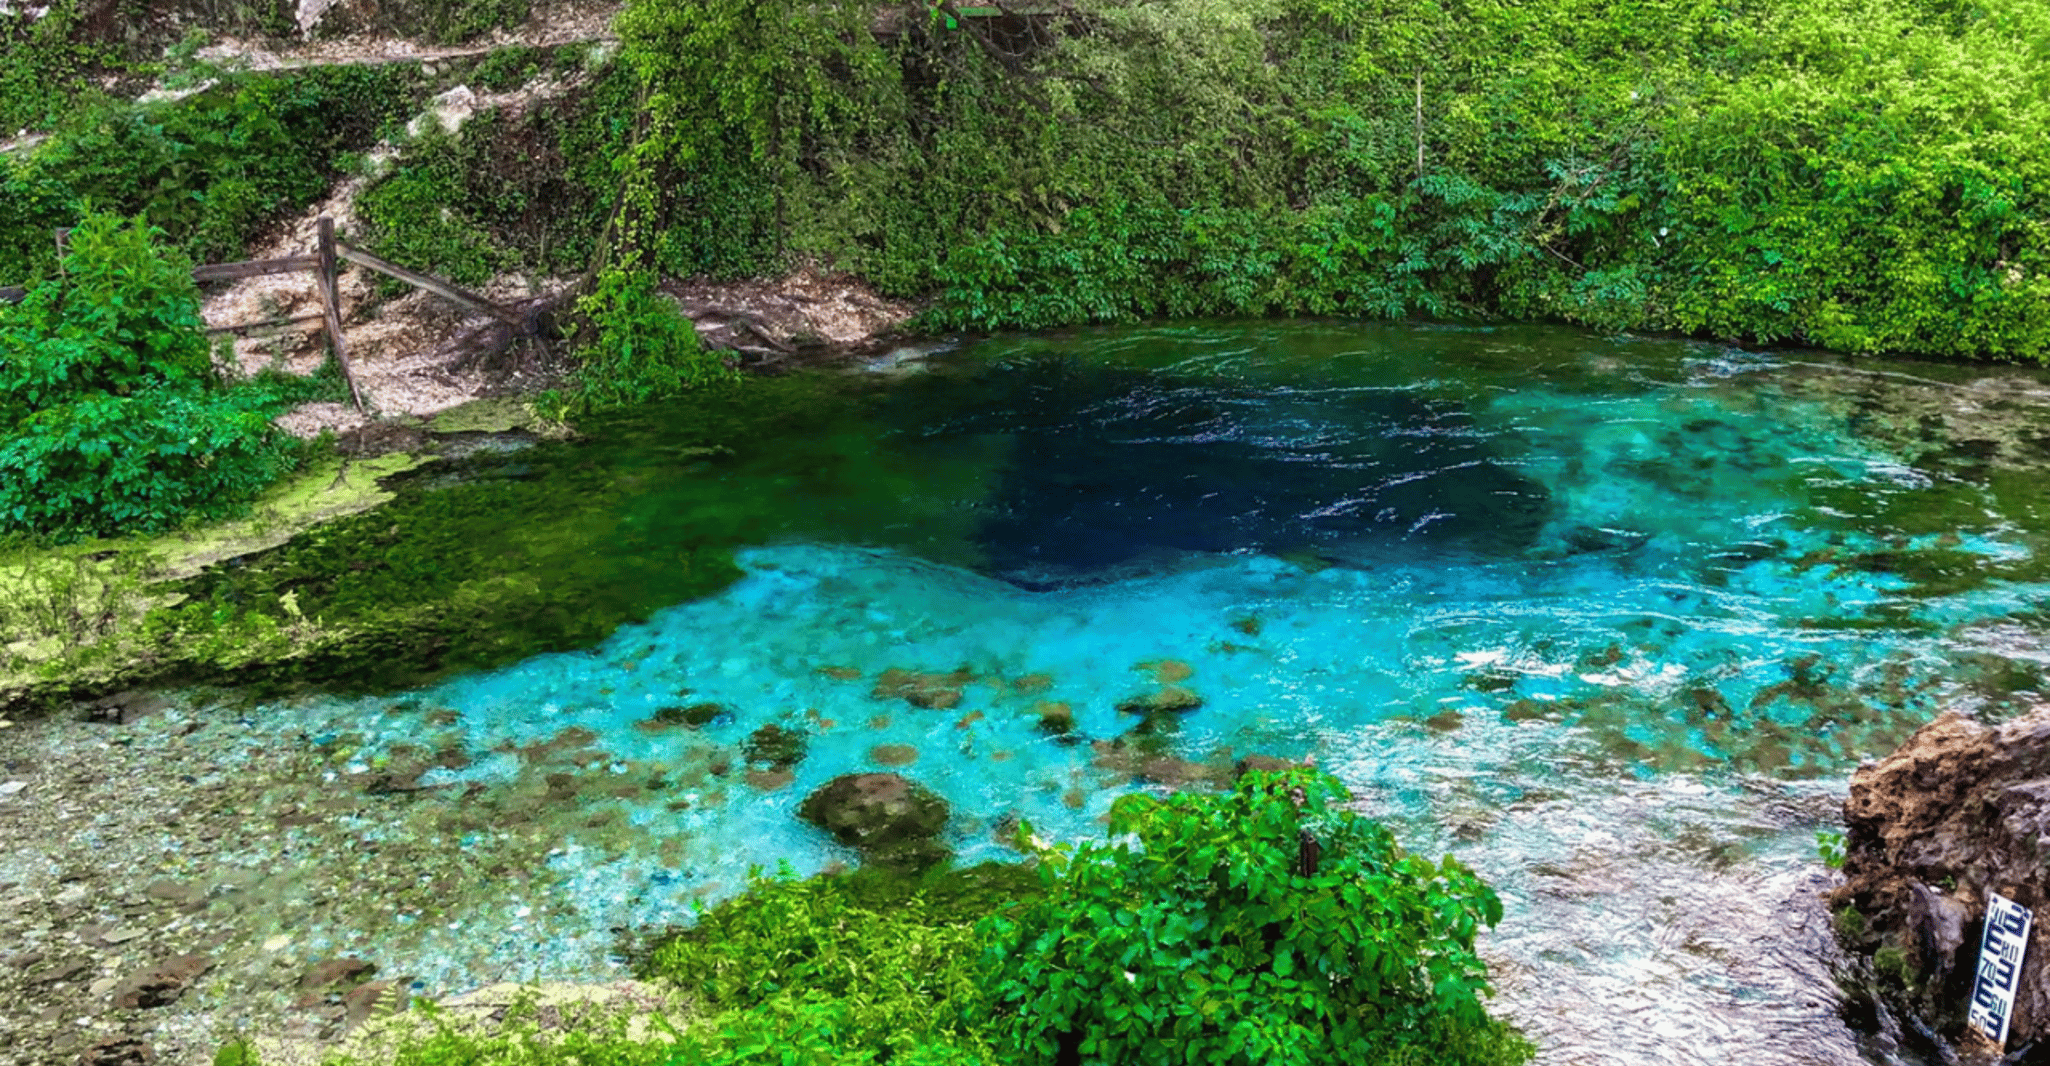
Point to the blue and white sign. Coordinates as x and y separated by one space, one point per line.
2000 967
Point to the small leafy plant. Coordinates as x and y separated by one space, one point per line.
1829 843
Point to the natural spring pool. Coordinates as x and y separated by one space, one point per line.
1609 618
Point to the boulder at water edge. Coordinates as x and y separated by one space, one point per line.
1960 810
890 820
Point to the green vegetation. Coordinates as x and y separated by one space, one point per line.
534 190
869 967
112 419
1224 936
1204 942
65 56
210 170
44 65
439 21
1890 962
1829 844
530 189
1863 174
639 347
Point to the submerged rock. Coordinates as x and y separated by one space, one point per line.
1143 761
1962 809
893 754
888 818
1056 718
695 716
118 1051
336 974
775 747
161 984
928 691
1169 699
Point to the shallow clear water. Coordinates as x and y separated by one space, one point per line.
1610 619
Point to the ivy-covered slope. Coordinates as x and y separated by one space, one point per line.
1866 175
59 55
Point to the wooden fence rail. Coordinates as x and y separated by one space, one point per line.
324 263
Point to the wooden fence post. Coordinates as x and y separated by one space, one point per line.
331 305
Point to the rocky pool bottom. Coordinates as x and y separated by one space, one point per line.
1671 920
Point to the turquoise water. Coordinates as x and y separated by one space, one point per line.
1610 618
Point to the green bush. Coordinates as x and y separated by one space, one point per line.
111 419
439 21
1199 939
1201 944
417 215
1213 937
639 347
45 65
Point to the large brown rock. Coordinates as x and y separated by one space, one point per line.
889 819
1960 810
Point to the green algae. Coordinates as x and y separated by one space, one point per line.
495 414
86 616
495 557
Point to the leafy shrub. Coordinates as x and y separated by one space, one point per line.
639 346
45 63
1202 944
509 68
439 21
417 215
107 464
1201 939
110 417
1211 937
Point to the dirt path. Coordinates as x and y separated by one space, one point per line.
550 24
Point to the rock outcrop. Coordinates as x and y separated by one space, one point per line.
1962 809
889 819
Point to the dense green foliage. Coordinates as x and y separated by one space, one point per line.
209 170
43 65
439 21
534 190
1863 174
869 967
1211 938
111 419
